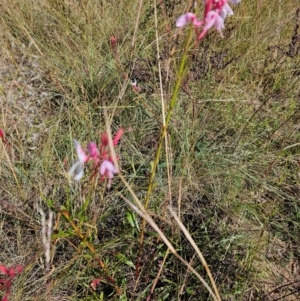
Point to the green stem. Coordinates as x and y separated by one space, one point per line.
180 77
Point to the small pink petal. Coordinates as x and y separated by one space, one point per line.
218 4
226 11
185 19
108 169
93 150
113 41
82 156
95 283
213 19
210 20
1 134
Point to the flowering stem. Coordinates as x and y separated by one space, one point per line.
180 77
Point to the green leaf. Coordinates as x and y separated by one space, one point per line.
122 258
131 218
189 291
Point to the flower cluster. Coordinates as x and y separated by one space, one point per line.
6 283
103 162
215 14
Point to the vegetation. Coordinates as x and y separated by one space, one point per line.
228 168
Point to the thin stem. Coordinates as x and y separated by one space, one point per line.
180 77
179 80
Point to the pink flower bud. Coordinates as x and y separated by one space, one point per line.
2 134
19 269
118 136
95 283
4 270
113 42
104 140
11 272
93 150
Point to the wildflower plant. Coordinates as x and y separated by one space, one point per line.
6 284
92 72
103 162
215 14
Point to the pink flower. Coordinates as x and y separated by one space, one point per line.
101 158
213 19
93 151
95 283
7 283
215 13
217 4
113 40
184 19
108 169
226 11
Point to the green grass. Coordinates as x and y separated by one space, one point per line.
233 150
